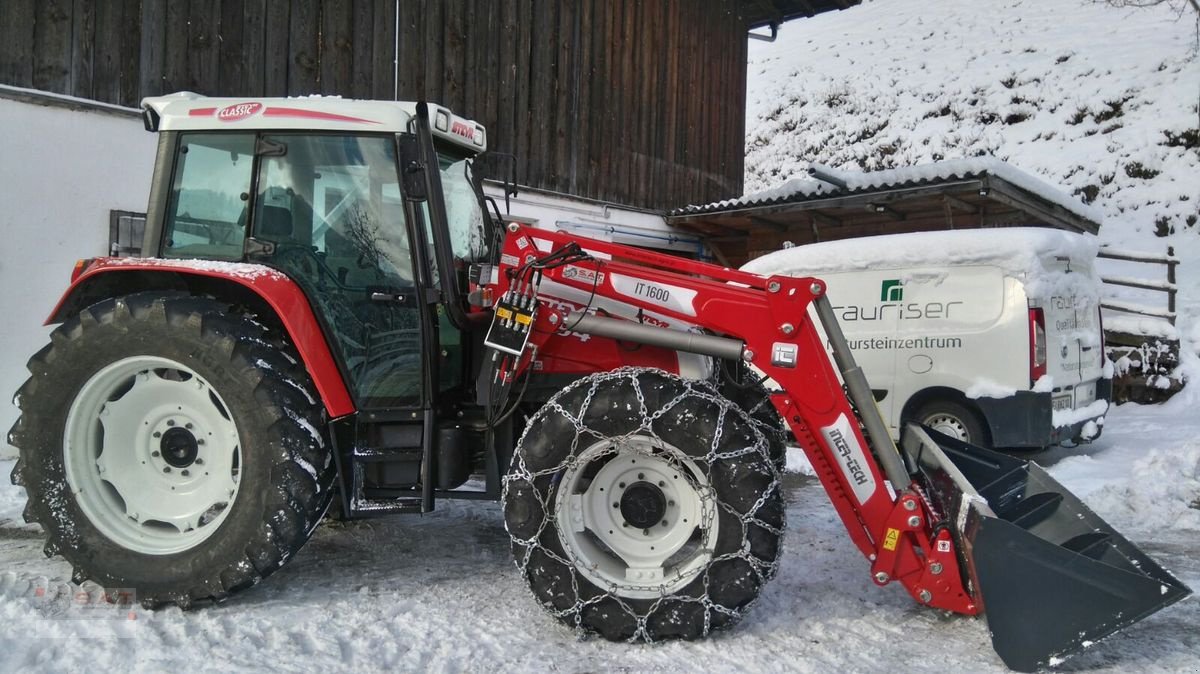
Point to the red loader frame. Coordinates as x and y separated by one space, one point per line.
766 322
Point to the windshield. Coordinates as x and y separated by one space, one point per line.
468 228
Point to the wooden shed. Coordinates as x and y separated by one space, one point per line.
826 205
635 102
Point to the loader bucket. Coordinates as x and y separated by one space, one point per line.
1052 576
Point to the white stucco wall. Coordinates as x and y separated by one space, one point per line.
61 172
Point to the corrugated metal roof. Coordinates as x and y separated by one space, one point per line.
845 183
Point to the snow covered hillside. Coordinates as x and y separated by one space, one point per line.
1099 101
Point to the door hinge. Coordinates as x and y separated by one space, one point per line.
254 248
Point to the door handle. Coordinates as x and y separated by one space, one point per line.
385 297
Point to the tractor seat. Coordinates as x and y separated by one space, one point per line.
274 223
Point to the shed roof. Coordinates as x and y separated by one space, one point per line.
766 12
829 204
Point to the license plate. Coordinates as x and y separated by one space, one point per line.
1062 402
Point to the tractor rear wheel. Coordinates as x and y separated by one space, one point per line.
643 507
168 448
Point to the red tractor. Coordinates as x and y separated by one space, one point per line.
334 313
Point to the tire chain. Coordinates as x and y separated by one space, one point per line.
704 391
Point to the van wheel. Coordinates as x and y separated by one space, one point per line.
955 420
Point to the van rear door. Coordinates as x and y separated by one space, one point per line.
1073 342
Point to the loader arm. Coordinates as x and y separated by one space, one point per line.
765 322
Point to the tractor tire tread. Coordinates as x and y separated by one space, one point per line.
302 471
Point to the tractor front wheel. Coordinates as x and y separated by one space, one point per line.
644 507
169 449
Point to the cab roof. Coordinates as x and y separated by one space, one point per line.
186 111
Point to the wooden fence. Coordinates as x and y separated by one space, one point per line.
630 101
1166 286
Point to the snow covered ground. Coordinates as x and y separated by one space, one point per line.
1097 100
439 593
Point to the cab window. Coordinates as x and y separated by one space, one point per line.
206 217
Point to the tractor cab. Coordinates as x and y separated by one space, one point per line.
334 194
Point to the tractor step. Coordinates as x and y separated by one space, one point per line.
1052 576
387 454
375 506
383 467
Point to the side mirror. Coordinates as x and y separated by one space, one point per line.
412 168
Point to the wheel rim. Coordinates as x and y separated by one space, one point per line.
637 517
948 424
152 455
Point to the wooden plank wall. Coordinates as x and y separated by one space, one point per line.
629 101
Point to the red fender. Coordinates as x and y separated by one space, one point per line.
275 288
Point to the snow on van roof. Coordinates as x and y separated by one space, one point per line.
800 189
1013 248
1021 251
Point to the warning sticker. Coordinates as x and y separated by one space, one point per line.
943 546
509 260
891 539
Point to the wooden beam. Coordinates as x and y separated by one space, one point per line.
763 222
817 219
961 205
826 220
807 7
884 208
770 9
718 253
1051 213
704 228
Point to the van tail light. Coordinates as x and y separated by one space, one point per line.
1037 345
80 267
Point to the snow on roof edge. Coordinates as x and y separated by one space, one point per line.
1014 248
800 189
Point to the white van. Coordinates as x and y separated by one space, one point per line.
990 335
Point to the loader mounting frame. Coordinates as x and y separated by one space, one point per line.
765 322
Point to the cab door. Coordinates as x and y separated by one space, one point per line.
328 211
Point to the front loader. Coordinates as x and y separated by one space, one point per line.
332 312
